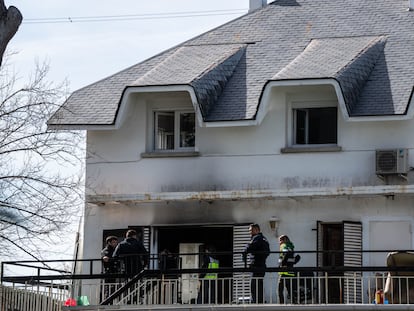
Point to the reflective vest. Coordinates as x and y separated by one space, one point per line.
286 250
213 264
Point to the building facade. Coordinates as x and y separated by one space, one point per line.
297 116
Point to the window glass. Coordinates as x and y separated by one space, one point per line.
315 125
301 126
164 138
187 130
174 130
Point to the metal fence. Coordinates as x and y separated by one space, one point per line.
48 289
309 290
31 298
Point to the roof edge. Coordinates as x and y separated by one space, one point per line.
264 99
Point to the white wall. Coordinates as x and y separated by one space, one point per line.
297 217
243 158
238 157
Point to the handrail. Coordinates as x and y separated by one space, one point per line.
124 288
66 275
35 279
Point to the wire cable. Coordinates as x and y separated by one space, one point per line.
129 17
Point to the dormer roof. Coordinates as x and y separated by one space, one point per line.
349 61
366 46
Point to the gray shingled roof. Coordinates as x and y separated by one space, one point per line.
350 61
286 39
207 68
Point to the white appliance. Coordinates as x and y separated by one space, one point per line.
189 258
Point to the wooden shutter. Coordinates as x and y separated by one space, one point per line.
241 281
352 258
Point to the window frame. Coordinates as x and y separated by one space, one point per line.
177 123
293 106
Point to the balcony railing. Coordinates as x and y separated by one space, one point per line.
44 286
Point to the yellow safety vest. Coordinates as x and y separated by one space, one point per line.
213 264
283 248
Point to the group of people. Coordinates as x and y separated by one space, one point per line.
130 252
135 257
259 249
129 256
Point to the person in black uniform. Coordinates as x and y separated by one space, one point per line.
260 250
133 252
110 265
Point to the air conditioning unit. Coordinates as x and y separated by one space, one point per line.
391 161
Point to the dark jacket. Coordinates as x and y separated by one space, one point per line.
259 248
134 255
168 261
111 265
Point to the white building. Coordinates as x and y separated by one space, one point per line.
298 114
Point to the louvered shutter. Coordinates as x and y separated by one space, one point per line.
241 281
146 237
352 258
319 258
319 244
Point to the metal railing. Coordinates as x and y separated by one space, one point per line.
30 297
48 287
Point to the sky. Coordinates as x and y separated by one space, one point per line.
85 41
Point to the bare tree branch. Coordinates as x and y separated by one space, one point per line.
40 180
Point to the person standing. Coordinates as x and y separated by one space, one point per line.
260 250
287 278
110 265
207 290
106 254
133 252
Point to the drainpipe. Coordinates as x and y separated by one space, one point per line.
258 4
410 5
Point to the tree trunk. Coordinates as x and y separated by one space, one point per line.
10 20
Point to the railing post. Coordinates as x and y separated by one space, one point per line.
2 273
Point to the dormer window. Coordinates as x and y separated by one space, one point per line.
312 126
315 126
174 130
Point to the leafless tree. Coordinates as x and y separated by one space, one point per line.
39 187
39 184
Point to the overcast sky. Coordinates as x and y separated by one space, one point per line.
84 43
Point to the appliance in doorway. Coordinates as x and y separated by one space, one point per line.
190 259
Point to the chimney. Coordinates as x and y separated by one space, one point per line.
258 4
410 5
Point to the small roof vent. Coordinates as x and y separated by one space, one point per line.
258 4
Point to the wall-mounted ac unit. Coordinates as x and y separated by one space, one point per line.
391 161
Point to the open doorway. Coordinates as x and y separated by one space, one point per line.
339 244
221 237
194 239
